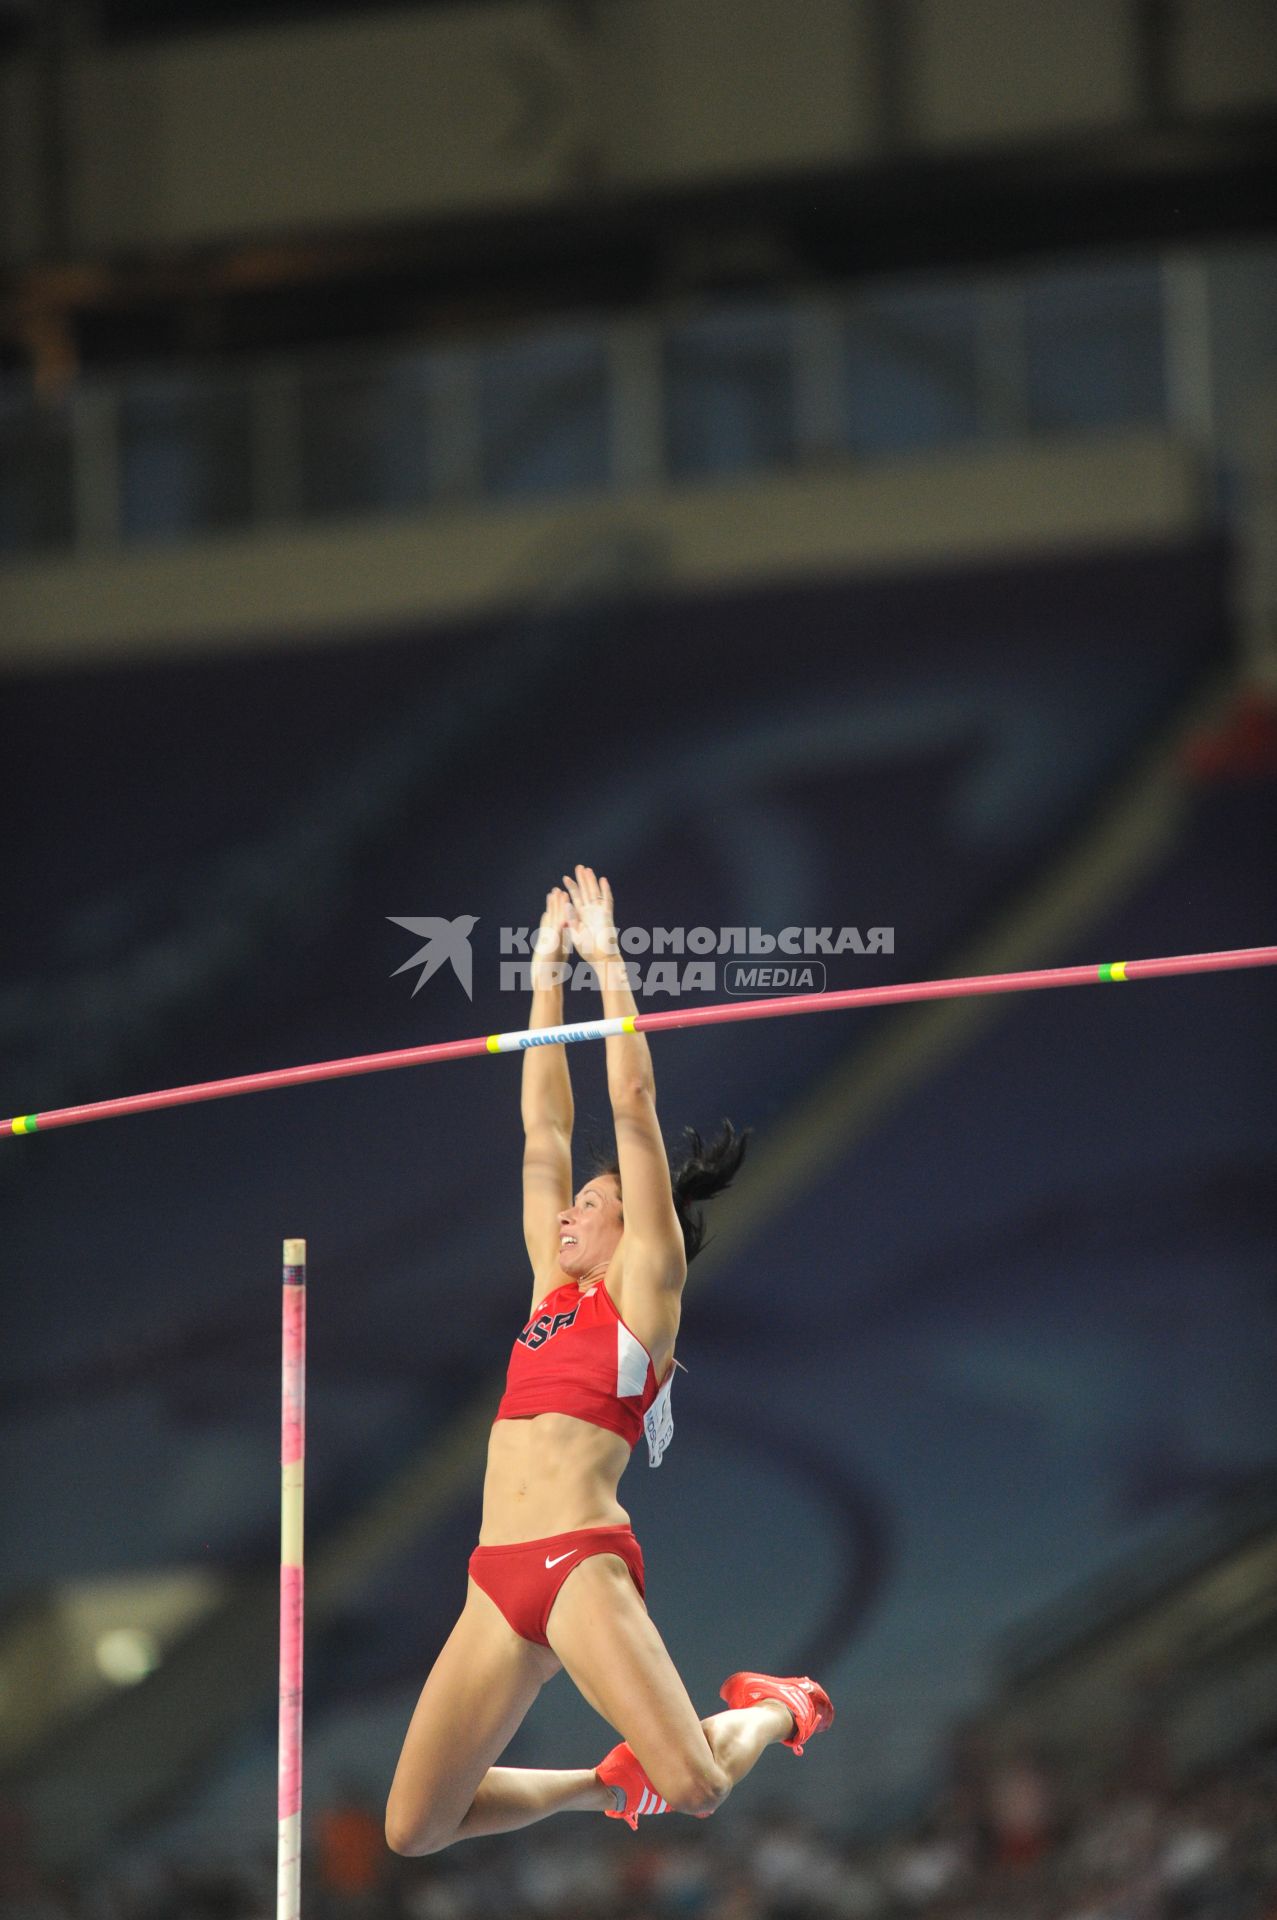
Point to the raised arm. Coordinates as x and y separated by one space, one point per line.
654 1265
546 1104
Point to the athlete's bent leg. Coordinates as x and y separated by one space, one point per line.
740 1737
604 1636
513 1797
479 1690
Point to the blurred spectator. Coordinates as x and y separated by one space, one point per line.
552 1879
1021 1812
928 1867
1120 1839
24 1894
1205 1853
797 1871
350 1850
736 1899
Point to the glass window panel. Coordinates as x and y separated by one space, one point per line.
544 414
913 369
185 455
364 437
1093 339
729 393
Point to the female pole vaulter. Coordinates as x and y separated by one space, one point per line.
556 1582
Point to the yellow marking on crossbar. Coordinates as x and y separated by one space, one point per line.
292 1489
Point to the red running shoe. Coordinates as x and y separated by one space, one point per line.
810 1704
620 1769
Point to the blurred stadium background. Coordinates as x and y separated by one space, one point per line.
817 462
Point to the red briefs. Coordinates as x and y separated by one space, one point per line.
524 1580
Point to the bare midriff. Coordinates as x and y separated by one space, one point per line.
551 1474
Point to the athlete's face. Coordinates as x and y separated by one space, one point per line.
590 1229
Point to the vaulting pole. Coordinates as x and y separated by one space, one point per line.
292 1453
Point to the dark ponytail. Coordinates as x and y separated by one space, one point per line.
707 1170
704 1170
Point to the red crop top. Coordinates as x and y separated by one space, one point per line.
576 1355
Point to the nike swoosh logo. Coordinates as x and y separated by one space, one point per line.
563 1556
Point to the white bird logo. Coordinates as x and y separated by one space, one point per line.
445 940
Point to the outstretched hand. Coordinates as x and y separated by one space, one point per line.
553 942
591 925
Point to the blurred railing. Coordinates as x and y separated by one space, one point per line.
591 406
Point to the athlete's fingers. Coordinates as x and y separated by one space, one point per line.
551 913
